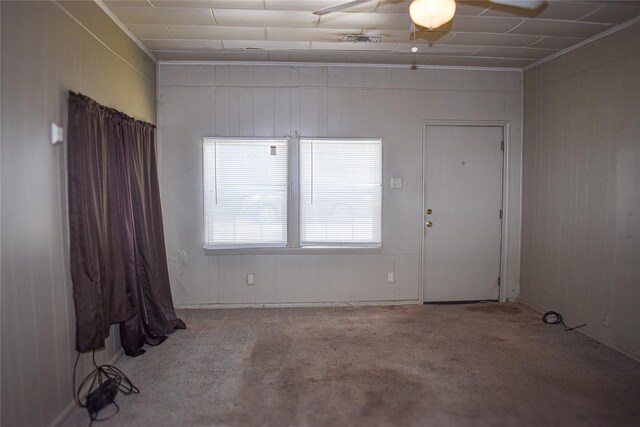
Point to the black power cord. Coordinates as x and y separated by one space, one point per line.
555 318
102 384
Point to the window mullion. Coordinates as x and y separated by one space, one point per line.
293 219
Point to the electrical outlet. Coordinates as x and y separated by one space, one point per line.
251 279
391 277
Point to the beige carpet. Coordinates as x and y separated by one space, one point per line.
472 365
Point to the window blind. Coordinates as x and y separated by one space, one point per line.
245 192
340 192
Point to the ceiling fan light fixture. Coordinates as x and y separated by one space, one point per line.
432 13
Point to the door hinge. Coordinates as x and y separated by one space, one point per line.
502 145
498 281
500 213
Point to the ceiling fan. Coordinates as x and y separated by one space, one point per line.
432 14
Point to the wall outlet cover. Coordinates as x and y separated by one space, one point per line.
396 182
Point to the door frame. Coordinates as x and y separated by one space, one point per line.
504 259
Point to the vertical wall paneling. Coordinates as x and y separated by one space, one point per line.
331 101
581 189
45 53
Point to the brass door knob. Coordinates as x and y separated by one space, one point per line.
429 211
429 224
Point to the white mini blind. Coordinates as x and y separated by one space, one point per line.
245 192
340 192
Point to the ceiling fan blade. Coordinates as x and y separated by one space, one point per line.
524 4
338 7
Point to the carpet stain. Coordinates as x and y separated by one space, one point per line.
494 309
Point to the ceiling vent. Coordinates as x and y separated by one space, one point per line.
358 38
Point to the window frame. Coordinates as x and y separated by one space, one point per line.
293 205
330 245
235 247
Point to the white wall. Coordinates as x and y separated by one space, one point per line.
45 53
581 200
223 100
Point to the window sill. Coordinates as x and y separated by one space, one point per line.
293 251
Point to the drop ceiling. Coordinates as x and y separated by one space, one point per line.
482 34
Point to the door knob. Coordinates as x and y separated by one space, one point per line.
429 211
429 224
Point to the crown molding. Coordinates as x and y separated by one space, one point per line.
124 28
584 42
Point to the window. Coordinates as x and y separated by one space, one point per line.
245 192
337 184
340 192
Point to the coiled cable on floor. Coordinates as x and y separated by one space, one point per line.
102 385
555 318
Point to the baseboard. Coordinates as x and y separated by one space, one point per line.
460 302
297 304
627 352
65 412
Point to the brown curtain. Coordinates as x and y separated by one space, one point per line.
118 259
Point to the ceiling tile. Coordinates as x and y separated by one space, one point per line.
304 5
150 31
182 44
216 32
212 4
483 24
145 15
265 45
310 34
377 21
514 52
264 18
556 42
551 10
488 39
389 47
613 14
472 8
408 36
559 28
127 3
337 34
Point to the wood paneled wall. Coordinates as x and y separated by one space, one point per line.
261 100
45 53
581 188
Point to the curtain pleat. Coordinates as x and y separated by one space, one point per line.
118 258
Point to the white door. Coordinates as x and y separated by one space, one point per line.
463 201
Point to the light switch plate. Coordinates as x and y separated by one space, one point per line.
251 279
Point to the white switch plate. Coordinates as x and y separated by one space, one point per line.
390 277
396 182
57 133
251 279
